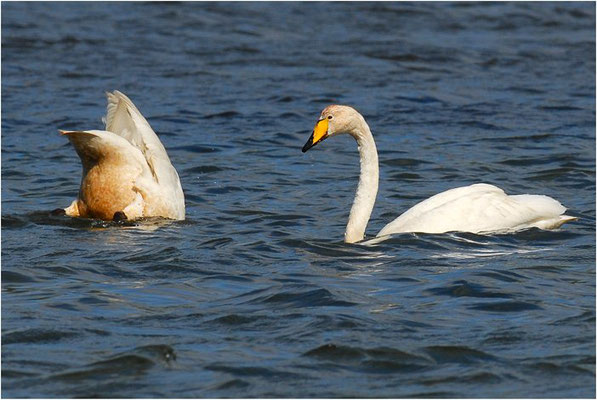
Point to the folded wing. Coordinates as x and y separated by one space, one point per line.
479 208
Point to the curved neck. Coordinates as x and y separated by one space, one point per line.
368 183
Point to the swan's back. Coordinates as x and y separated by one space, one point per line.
479 208
125 120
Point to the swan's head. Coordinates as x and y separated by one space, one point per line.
334 120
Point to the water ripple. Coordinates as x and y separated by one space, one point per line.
255 294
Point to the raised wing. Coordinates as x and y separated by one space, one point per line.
93 145
125 120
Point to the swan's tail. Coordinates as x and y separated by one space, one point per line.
556 222
550 212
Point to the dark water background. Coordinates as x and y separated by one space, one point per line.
255 294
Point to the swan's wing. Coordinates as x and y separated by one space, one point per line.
93 144
478 208
125 120
109 188
126 162
432 207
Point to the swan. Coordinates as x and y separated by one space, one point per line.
126 171
479 208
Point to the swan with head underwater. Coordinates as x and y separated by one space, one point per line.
480 208
127 173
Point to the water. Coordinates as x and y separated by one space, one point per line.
255 294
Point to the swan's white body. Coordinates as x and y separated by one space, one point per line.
125 168
479 208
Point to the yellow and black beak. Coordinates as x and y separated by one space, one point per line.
320 133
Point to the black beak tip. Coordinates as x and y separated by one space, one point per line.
309 144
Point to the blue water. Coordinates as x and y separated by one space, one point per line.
255 294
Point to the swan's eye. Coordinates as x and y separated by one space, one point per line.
330 117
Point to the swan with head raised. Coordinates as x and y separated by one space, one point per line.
478 208
127 173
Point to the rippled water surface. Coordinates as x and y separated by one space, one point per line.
255 294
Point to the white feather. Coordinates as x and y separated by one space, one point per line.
479 208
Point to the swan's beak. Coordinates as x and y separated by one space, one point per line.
320 132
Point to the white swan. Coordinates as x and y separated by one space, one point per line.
479 208
126 171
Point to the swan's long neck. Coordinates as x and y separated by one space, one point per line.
368 183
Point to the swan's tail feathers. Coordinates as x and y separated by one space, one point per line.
568 218
554 223
551 211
